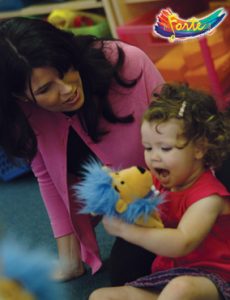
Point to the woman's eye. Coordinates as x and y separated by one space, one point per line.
43 90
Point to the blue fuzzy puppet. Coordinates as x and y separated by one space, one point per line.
25 274
128 194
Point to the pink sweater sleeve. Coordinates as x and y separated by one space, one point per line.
57 211
152 77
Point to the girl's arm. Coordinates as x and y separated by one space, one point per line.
194 226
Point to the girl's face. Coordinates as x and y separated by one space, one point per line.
56 94
175 168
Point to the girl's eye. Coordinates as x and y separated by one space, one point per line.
148 149
166 148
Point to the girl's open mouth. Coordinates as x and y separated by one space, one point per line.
162 174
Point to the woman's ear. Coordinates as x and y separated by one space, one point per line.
21 98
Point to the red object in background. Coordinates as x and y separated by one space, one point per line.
81 21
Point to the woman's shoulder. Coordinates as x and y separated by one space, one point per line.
135 62
134 57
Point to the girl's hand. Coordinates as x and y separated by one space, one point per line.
114 226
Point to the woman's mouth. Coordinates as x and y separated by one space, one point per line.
74 98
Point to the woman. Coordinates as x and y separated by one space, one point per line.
62 99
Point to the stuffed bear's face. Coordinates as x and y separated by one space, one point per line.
132 183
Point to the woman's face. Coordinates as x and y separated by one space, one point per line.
54 93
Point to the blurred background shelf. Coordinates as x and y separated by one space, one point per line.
39 9
47 7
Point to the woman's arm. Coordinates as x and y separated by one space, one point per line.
56 209
191 231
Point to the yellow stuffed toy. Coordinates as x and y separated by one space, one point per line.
128 194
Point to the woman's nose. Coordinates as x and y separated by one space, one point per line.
64 87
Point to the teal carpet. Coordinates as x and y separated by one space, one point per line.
22 213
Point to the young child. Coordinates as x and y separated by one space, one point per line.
184 137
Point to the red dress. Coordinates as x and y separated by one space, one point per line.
213 254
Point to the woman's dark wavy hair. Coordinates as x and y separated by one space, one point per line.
202 121
30 43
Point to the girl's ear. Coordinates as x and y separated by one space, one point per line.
199 154
200 149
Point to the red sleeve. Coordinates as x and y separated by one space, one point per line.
205 186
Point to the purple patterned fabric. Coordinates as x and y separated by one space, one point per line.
159 280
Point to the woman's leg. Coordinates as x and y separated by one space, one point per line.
123 293
71 265
128 262
190 288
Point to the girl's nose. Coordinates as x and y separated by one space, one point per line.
155 156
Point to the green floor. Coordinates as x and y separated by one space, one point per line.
22 213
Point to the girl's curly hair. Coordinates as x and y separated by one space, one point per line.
202 121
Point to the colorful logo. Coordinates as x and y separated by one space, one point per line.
170 26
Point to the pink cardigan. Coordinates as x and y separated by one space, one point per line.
121 147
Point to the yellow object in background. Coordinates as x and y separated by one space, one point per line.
80 23
62 18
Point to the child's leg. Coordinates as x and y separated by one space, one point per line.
190 288
123 293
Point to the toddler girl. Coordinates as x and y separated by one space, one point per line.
184 137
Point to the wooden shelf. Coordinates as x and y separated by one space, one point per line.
47 8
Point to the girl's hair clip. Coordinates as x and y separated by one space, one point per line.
182 109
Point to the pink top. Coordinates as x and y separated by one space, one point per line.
213 254
121 147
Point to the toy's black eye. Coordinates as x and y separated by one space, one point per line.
116 189
122 182
142 170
